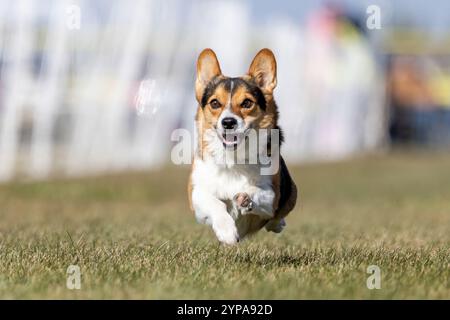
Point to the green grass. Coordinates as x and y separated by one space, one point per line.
133 236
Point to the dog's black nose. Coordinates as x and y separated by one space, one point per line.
229 123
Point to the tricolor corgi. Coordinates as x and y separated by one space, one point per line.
226 191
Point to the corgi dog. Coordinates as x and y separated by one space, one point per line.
234 197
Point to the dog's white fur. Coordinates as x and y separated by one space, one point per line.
217 181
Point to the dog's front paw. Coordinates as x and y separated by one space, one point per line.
243 203
226 231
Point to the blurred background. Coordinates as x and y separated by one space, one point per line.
95 86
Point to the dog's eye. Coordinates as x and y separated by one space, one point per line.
247 103
215 104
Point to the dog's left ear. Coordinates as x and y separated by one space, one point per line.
207 69
264 70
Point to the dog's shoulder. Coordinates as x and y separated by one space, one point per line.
285 190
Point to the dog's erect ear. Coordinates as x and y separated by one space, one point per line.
264 70
207 68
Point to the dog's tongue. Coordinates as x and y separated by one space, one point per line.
229 137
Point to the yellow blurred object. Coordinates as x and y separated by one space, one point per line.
440 89
346 31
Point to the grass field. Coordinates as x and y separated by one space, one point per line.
133 236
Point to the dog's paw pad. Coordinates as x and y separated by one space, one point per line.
243 201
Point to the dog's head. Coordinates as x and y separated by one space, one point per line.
233 106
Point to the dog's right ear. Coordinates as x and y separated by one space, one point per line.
264 70
207 68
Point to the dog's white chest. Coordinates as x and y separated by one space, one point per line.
226 182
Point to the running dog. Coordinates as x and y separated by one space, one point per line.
234 197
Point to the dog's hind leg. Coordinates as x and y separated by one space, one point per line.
275 225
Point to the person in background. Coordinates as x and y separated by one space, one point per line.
416 104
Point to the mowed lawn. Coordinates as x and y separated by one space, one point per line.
132 236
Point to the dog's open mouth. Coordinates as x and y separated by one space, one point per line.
230 139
